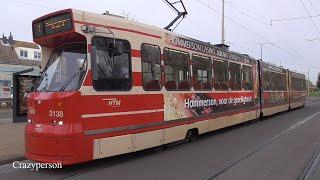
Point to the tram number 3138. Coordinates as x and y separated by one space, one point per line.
56 114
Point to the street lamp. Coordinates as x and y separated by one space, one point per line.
222 25
261 46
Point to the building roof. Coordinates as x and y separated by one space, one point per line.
8 55
26 45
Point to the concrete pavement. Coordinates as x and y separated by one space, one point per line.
5 116
12 138
12 142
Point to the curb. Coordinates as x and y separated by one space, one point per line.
7 161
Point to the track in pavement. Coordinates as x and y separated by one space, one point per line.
259 148
311 166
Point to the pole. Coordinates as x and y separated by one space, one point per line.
261 47
261 51
308 81
223 31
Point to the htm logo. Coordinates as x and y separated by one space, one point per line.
113 102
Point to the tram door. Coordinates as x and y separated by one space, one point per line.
259 89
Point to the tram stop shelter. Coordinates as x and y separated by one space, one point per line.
23 83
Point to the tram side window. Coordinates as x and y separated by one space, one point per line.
202 72
247 78
235 76
111 64
293 83
176 69
151 67
280 83
298 84
266 81
221 76
283 84
274 81
277 82
303 85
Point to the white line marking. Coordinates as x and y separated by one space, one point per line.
301 122
312 103
121 113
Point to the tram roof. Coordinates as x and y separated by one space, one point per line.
144 27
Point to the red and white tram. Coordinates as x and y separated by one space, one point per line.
298 86
112 86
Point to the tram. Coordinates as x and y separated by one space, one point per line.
111 86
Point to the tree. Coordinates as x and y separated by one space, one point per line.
128 16
318 81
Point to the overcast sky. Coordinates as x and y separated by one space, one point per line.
247 24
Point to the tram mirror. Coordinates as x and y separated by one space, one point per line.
94 63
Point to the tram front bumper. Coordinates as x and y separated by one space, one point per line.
50 148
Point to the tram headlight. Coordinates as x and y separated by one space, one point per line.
60 123
32 111
29 121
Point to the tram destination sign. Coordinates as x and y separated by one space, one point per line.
52 25
189 44
201 47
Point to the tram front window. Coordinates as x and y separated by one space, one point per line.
65 69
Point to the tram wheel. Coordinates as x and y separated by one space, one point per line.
192 135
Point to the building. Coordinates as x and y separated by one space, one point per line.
16 56
312 87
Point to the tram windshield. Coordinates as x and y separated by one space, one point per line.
65 68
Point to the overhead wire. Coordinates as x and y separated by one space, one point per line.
293 18
34 5
307 11
313 7
241 46
232 20
212 9
294 54
246 10
246 14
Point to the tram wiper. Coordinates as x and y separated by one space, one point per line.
80 70
46 85
70 79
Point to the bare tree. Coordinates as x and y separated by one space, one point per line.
127 15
